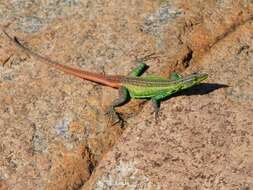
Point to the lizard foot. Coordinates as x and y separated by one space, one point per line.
145 58
114 117
156 113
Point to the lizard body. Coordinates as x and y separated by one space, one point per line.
155 88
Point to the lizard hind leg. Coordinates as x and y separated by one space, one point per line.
138 70
142 67
121 100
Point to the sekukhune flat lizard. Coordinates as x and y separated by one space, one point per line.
133 85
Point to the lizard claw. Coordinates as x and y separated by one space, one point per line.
146 58
114 116
110 111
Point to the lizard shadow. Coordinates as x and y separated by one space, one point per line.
201 89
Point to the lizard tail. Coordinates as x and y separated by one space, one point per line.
107 80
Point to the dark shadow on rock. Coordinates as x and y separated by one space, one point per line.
201 89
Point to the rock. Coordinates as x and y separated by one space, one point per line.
53 131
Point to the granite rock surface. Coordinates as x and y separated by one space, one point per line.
53 131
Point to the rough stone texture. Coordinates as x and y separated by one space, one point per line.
52 128
204 141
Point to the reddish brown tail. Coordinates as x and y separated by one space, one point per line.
112 81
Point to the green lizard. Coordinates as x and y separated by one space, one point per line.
133 85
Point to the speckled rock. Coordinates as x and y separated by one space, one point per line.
204 138
53 129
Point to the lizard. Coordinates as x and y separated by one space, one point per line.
132 85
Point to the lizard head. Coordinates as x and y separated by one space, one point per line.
193 79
